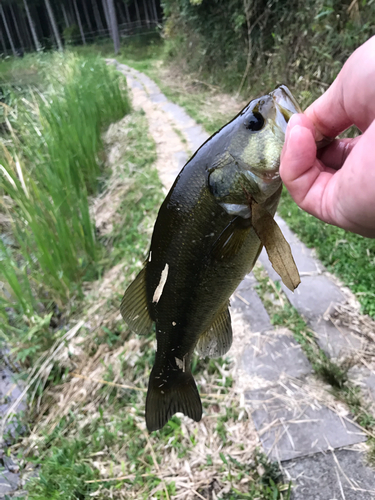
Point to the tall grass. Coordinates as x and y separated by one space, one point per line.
49 167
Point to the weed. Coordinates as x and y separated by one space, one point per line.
337 249
350 256
286 315
49 169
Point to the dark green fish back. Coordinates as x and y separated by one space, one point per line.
202 246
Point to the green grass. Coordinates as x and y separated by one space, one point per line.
349 256
333 373
149 58
102 439
86 451
211 121
107 453
115 441
286 315
50 167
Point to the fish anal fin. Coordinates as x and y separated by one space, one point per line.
134 308
164 400
217 340
231 239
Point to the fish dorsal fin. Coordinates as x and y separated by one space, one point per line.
216 341
230 241
134 308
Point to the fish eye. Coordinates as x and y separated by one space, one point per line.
255 122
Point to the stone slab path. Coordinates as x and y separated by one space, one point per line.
299 422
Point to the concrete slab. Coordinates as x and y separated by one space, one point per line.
303 256
157 97
196 136
270 356
342 474
182 158
9 392
291 423
370 383
314 296
334 342
178 114
8 483
316 292
248 302
135 84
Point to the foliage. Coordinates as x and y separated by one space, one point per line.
107 453
49 167
71 34
295 42
351 257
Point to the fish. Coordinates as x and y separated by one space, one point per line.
202 246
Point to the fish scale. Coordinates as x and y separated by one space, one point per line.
202 246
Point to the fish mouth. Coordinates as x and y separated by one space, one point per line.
285 106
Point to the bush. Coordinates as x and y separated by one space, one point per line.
296 42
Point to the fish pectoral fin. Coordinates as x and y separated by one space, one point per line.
164 400
134 308
278 249
230 241
217 340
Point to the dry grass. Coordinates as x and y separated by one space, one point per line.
105 207
103 374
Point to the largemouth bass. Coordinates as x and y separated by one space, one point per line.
203 244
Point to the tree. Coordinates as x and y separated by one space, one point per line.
155 11
65 15
137 12
20 38
114 25
79 22
4 47
54 26
25 28
32 26
98 19
121 13
146 13
87 17
127 12
8 30
106 15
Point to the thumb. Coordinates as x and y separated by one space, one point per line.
298 159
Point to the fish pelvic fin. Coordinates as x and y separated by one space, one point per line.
134 308
217 340
179 394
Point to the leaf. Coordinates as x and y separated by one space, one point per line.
278 249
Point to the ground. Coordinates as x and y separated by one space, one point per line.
268 395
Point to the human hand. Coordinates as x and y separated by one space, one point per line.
337 183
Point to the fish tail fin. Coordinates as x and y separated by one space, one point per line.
180 394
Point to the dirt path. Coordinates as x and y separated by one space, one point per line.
295 416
